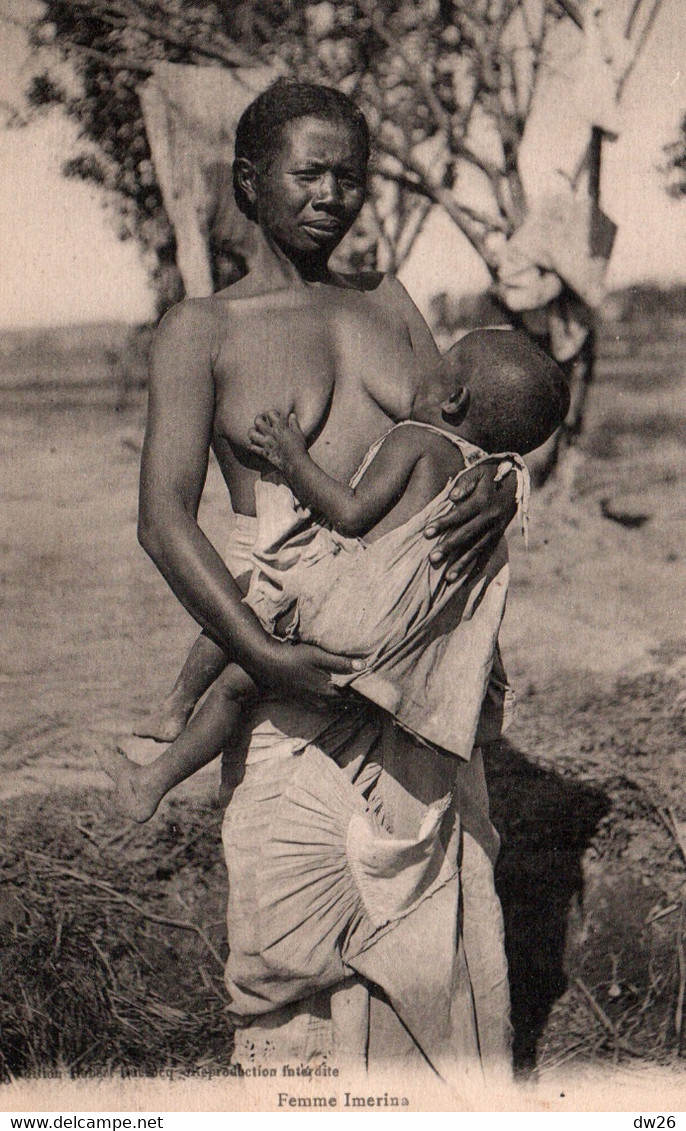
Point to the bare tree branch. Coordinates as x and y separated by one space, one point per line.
573 10
411 230
426 189
473 225
645 32
441 116
114 62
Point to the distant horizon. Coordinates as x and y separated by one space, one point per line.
653 286
649 282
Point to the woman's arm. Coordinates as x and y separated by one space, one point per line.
351 510
173 471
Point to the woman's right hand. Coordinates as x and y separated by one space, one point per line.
304 671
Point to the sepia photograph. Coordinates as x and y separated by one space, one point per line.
343 420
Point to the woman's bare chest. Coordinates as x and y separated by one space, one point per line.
302 357
272 361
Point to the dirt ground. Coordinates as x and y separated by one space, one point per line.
588 788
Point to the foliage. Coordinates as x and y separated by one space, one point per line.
446 84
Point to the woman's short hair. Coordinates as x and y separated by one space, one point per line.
260 126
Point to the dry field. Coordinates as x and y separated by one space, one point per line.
111 937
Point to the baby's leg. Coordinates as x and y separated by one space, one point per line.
350 1023
204 663
139 789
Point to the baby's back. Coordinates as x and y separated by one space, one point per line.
439 458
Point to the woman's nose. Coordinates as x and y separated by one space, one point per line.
328 189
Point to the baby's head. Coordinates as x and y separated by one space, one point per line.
496 389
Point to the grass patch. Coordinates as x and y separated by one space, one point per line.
615 437
111 943
591 875
112 940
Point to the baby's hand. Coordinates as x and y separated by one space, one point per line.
277 439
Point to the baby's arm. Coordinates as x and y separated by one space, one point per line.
351 510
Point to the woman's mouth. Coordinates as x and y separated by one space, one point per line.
329 226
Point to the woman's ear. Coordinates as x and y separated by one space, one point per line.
456 407
246 176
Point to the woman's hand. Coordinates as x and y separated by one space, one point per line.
277 439
304 671
481 513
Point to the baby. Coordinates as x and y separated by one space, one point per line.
347 567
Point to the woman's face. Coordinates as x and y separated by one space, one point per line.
312 191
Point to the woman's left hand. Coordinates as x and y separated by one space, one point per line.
471 530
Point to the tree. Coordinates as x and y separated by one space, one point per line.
675 169
448 86
110 49
430 74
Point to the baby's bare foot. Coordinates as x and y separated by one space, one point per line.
132 795
166 723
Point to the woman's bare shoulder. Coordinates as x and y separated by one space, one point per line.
391 293
188 313
385 289
194 323
390 289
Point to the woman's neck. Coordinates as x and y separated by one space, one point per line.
276 270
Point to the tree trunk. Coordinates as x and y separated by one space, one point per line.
553 455
580 368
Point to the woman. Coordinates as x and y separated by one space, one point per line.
344 352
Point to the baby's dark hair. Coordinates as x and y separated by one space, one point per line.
260 127
518 395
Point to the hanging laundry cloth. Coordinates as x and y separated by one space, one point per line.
190 116
565 237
